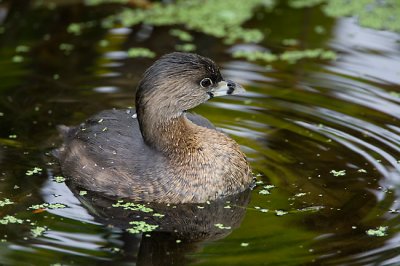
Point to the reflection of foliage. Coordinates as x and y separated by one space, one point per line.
370 13
217 18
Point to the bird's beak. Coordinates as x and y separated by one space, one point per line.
226 87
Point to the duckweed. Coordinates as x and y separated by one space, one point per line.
379 231
99 2
132 206
293 56
141 52
288 56
304 3
66 47
187 47
38 231
370 13
35 170
221 226
75 28
264 192
181 35
5 202
338 173
22 49
82 192
280 212
59 179
141 227
17 58
8 219
290 42
395 94
47 206
256 56
224 18
104 43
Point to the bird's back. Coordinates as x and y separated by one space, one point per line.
107 154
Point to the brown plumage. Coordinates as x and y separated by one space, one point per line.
161 153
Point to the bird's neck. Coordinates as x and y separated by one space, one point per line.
168 134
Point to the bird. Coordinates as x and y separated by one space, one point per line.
159 152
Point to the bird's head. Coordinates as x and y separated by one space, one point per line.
181 81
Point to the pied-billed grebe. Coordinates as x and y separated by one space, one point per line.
161 153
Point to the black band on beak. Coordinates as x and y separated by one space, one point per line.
231 87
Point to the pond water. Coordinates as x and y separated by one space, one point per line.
322 137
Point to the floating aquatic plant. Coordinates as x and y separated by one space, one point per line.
182 35
35 170
141 227
219 18
338 173
5 202
132 206
280 212
369 13
38 231
22 49
379 231
256 55
222 226
99 2
9 219
141 52
59 179
47 206
186 47
266 190
288 56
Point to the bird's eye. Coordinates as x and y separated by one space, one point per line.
206 82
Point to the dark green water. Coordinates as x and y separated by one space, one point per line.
296 124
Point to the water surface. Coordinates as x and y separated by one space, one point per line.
325 133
